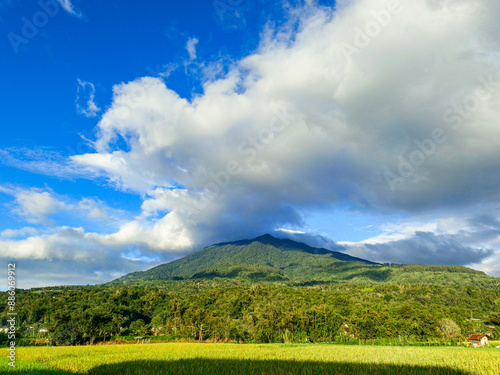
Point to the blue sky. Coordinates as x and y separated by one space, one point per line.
134 133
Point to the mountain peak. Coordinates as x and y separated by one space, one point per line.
266 236
285 256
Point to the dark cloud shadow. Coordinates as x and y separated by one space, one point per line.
198 366
240 366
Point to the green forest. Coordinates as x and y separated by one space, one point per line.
212 310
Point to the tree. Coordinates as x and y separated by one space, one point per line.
449 328
138 328
495 319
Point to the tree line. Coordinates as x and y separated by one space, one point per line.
256 313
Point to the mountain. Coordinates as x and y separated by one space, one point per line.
262 254
268 259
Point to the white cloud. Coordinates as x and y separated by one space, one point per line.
68 6
66 255
35 205
96 209
92 257
419 242
164 71
490 266
13 233
39 206
168 234
301 124
86 90
290 231
422 248
397 231
191 48
43 161
45 247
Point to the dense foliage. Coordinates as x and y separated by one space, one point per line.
210 309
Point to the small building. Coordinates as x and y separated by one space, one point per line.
478 340
4 329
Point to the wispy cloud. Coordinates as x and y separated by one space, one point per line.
191 48
43 161
68 6
85 96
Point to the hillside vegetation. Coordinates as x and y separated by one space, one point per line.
267 259
206 310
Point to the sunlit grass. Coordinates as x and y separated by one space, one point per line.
193 358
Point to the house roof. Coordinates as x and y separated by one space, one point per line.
476 337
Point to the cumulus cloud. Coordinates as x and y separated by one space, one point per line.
85 96
35 205
94 208
447 241
69 256
169 233
422 248
337 138
45 207
13 233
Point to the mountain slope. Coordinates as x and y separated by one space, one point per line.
290 257
268 259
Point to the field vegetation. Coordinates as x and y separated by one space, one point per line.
207 359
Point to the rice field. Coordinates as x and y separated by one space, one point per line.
208 359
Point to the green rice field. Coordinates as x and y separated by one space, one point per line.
208 359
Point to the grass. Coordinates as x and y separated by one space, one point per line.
207 359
